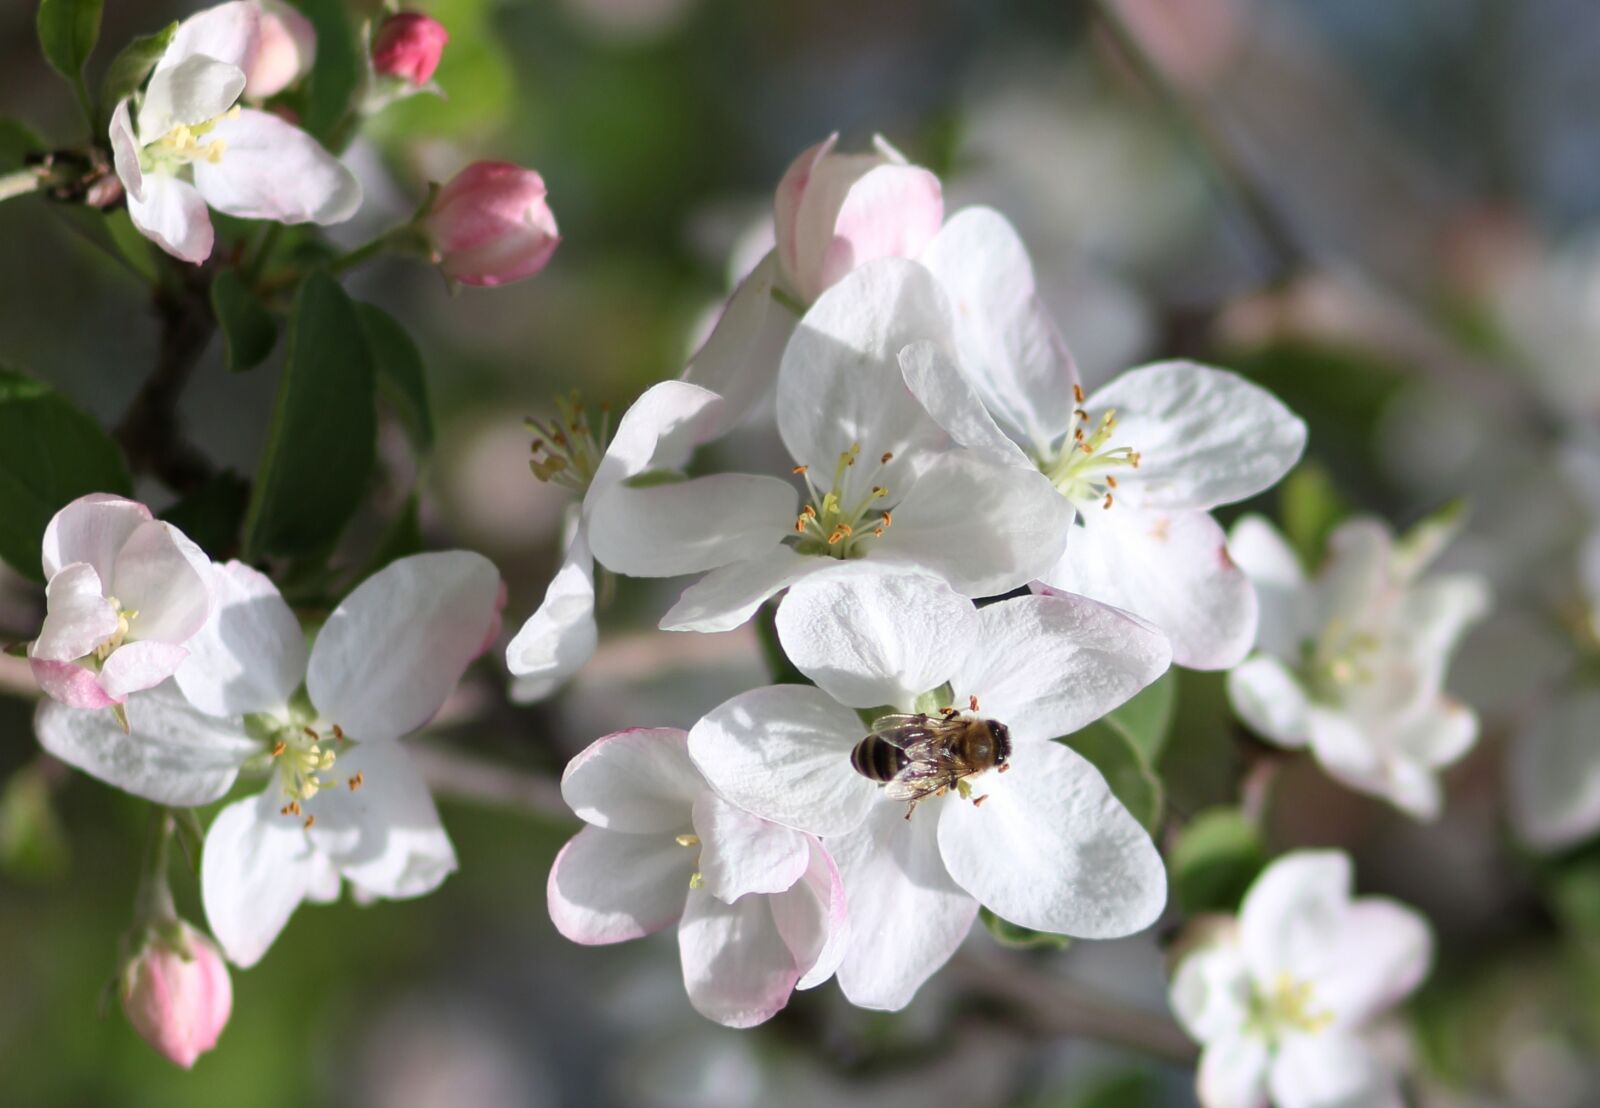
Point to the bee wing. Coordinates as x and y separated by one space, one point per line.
920 737
917 780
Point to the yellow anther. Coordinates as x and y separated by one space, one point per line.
1107 503
1077 393
799 470
357 781
279 748
311 821
696 880
687 840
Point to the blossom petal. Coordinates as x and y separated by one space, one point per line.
1315 1071
813 918
944 392
272 169
1171 568
561 634
385 836
1381 954
610 886
173 215
136 666
659 431
739 359
1205 436
227 32
737 969
987 527
638 781
1437 611
195 90
1012 351
872 635
125 150
1554 774
689 526
727 596
1211 991
78 617
251 655
70 684
1047 666
1274 570
890 211
1292 913
907 916
741 853
1270 701
256 868
1052 849
395 647
1345 746
166 579
790 196
783 753
91 529
171 753
1233 1072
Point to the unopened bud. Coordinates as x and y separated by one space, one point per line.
491 224
286 52
409 46
177 994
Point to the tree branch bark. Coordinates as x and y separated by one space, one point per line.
150 432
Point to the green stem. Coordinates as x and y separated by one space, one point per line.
20 183
152 905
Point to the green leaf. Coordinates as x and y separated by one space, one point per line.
248 331
132 65
213 514
1216 858
50 453
323 438
68 30
17 141
1146 720
130 243
1311 508
402 380
1120 762
33 844
338 72
1011 934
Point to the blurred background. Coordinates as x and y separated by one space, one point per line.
1384 212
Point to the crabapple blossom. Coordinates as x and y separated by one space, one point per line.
883 482
1141 461
185 143
125 593
759 907
287 51
832 213
1352 661
491 225
654 437
1042 842
408 46
342 799
177 994
1280 998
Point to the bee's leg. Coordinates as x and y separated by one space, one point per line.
977 801
972 702
912 807
1003 767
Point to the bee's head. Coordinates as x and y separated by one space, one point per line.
1001 735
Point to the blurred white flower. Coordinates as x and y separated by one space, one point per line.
1050 847
1283 998
759 907
1554 773
1353 660
342 799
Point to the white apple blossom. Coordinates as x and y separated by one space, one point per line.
1141 461
185 143
884 483
655 436
759 907
1282 997
341 799
1554 773
125 593
1049 848
1352 661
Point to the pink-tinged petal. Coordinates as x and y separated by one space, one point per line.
178 996
271 169
1211 991
907 916
783 753
1013 353
1052 849
561 634
871 635
136 666
1274 570
1233 1072
1271 701
1205 436
937 382
251 656
394 648
91 529
727 596
78 617
125 151
1554 773
790 195
171 754
743 854
71 684
164 583
1331 1070
288 50
639 781
1293 912
892 211
610 886
173 215
739 359
227 32
1047 666
195 91
1382 952
492 224
1171 568
737 969
660 430
689 526
256 868
813 918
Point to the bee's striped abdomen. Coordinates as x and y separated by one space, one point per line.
877 760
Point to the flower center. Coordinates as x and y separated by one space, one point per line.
182 145
125 618
834 525
566 450
1340 659
1082 469
300 756
1286 1006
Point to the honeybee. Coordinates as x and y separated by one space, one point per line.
916 756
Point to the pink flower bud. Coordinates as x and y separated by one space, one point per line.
178 996
834 212
409 46
491 224
287 49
